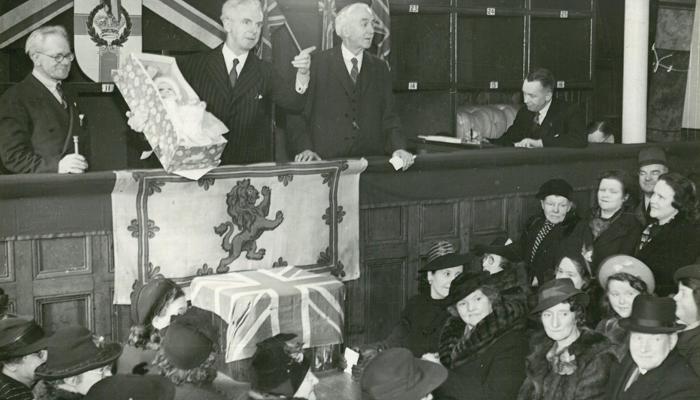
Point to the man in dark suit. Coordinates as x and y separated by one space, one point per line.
544 121
653 369
239 88
37 119
350 108
652 164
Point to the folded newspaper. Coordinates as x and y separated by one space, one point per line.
187 139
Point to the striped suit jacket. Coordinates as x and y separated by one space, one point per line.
245 109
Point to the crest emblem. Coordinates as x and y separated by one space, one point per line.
106 29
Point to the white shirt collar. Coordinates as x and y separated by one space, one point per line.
543 111
229 55
348 56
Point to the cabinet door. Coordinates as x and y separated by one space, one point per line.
511 4
490 52
424 113
420 51
562 45
569 5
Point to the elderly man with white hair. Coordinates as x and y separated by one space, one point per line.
653 369
350 108
37 119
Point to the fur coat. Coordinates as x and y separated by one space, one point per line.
593 362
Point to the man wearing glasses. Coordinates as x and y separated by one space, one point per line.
37 120
652 164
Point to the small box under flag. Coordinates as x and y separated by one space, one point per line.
262 303
183 135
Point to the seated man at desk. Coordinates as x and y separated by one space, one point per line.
544 121
38 122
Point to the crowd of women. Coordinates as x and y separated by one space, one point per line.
577 307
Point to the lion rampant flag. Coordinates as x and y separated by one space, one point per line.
236 218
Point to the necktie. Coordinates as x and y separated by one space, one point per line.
354 72
633 378
536 120
233 75
59 89
544 231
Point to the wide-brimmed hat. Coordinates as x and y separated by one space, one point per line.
558 291
19 337
651 314
627 264
190 339
73 351
274 369
132 387
689 271
466 283
146 299
448 261
558 187
395 374
651 155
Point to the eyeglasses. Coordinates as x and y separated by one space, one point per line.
60 57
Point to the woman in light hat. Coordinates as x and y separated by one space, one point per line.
567 361
152 306
396 374
624 278
419 327
688 312
673 240
483 338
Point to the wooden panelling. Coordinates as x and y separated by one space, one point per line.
6 270
489 216
56 312
383 306
438 220
384 225
61 257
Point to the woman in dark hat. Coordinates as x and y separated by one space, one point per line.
541 239
483 343
22 350
672 241
152 306
688 312
624 278
567 361
76 361
610 227
396 374
499 260
280 370
574 265
419 327
187 355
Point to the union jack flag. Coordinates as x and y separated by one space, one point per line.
382 26
272 18
327 9
262 303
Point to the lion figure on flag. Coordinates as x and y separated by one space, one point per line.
251 221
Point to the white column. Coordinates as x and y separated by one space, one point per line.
691 107
634 79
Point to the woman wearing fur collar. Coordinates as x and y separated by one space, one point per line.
569 361
483 342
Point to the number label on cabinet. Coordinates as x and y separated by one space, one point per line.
561 84
563 13
413 8
491 11
493 85
413 85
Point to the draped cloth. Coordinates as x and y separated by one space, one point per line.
236 218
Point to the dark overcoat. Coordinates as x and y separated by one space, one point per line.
689 347
419 327
672 380
35 129
347 119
